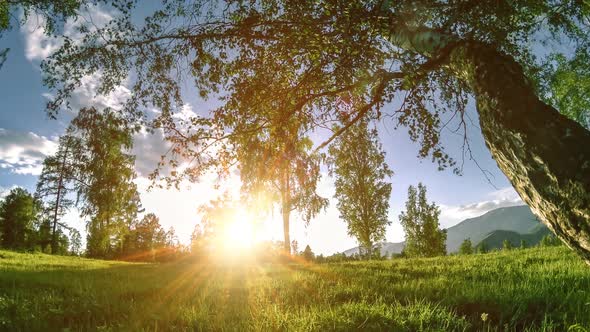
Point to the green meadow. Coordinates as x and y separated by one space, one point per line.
538 289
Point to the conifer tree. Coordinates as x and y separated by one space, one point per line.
466 247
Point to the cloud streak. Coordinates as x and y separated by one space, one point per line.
505 197
23 152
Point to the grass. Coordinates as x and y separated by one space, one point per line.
535 289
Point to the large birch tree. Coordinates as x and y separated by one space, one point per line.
430 55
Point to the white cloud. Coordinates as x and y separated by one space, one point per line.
451 215
4 191
39 45
86 94
148 149
23 152
186 113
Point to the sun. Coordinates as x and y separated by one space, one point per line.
238 233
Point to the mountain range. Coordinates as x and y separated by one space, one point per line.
513 223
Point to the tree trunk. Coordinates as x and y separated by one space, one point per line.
286 211
58 202
287 237
545 155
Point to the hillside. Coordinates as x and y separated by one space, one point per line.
387 248
517 219
516 222
495 239
517 290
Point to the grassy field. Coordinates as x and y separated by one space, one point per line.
534 289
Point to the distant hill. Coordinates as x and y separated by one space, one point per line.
495 239
517 219
387 248
513 223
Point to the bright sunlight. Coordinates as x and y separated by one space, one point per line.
238 235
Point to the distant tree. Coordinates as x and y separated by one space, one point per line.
523 244
307 254
420 223
320 259
506 245
111 200
214 217
294 247
43 236
18 213
279 162
549 241
75 242
358 161
482 248
59 178
148 237
198 241
466 247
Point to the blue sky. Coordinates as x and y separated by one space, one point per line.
27 135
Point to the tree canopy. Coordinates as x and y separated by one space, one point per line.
420 223
416 62
360 170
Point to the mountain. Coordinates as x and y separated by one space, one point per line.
517 219
513 223
387 248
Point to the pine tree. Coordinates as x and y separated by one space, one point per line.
466 247
420 223
308 255
60 178
358 161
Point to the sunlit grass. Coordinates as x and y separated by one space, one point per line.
534 289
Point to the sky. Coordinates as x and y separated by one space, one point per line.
27 135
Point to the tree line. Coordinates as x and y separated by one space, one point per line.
93 171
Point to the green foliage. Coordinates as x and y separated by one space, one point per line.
277 167
59 179
110 196
482 248
517 291
550 241
466 247
19 212
523 244
54 13
307 254
324 58
568 85
420 223
506 245
358 161
147 240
